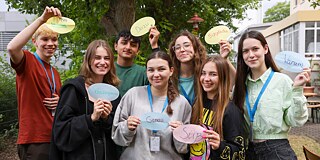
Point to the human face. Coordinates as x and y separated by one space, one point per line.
158 73
46 45
253 53
126 48
100 65
209 78
183 49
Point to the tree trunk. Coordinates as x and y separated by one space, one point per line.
121 15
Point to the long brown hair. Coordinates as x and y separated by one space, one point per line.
172 91
221 99
243 69
200 54
86 70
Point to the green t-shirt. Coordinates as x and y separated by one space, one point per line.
132 76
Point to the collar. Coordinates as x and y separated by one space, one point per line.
263 78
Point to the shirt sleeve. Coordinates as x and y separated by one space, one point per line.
121 134
183 147
295 106
70 129
232 146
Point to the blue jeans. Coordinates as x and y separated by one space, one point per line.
277 149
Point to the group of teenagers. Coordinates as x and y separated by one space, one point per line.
246 112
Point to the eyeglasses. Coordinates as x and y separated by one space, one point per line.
178 47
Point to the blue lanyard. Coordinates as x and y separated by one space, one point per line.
52 88
186 95
254 109
150 100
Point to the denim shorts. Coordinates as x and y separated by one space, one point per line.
276 149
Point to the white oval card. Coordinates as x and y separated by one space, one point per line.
155 121
189 133
60 24
103 91
291 61
216 34
142 26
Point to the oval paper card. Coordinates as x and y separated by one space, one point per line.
215 34
60 24
291 61
103 91
189 133
142 26
155 121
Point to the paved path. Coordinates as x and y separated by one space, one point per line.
309 129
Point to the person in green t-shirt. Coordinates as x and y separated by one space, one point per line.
127 46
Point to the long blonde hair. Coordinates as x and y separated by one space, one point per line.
221 97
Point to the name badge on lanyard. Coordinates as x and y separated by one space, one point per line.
154 138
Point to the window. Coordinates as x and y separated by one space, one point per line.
289 38
312 37
5 38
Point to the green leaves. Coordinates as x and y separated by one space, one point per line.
278 12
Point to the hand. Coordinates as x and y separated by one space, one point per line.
98 109
107 109
213 139
302 78
51 103
133 122
225 48
154 35
48 13
175 124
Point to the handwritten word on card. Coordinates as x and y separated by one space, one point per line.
60 24
154 121
291 61
142 26
216 34
103 91
189 133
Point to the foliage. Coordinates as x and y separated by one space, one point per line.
8 102
93 19
314 3
278 12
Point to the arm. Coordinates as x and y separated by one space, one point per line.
295 111
71 126
16 44
225 49
233 142
154 37
121 134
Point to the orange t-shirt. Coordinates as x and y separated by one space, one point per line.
32 85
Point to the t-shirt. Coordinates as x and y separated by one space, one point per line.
232 147
132 76
32 86
186 88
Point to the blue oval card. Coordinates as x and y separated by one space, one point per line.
291 61
155 121
103 91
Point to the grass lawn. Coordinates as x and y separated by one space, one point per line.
297 142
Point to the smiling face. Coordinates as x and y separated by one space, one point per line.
183 49
209 78
126 48
100 65
158 73
253 53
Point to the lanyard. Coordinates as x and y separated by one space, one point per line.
52 88
150 100
254 109
186 95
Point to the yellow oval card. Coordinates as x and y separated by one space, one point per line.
142 26
216 34
60 24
